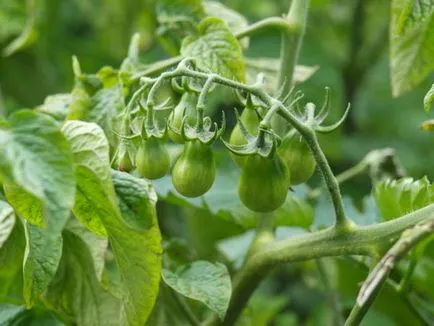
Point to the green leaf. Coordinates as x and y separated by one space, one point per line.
75 290
9 312
235 21
11 266
106 106
97 245
28 35
176 20
203 281
90 149
215 49
395 198
411 43
136 199
137 251
428 100
7 221
36 161
56 105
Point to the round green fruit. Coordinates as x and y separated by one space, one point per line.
194 171
298 158
263 183
152 159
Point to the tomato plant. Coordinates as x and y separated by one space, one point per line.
140 197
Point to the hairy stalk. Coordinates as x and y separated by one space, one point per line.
378 276
291 42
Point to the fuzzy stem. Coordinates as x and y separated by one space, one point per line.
291 43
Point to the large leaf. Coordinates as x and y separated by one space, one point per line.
236 21
399 197
177 19
56 105
75 290
411 43
203 281
90 149
36 160
11 266
215 49
137 251
7 221
97 245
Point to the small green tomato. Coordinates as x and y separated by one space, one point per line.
194 171
152 159
263 184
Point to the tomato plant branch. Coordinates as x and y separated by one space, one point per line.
291 43
342 222
365 241
378 276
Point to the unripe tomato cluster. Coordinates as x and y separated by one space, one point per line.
265 178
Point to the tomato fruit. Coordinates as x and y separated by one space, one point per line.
297 156
263 184
194 171
152 159
250 120
185 107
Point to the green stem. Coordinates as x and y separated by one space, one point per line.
379 274
291 42
405 282
276 23
346 175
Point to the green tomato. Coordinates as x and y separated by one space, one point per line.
194 171
263 184
152 159
297 156
185 107
250 120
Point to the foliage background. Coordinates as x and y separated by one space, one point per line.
347 39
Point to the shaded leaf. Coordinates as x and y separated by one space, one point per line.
215 49
411 43
56 105
7 221
203 281
11 266
137 252
75 290
36 160
90 149
236 21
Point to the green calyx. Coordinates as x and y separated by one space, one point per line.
186 107
249 118
194 171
